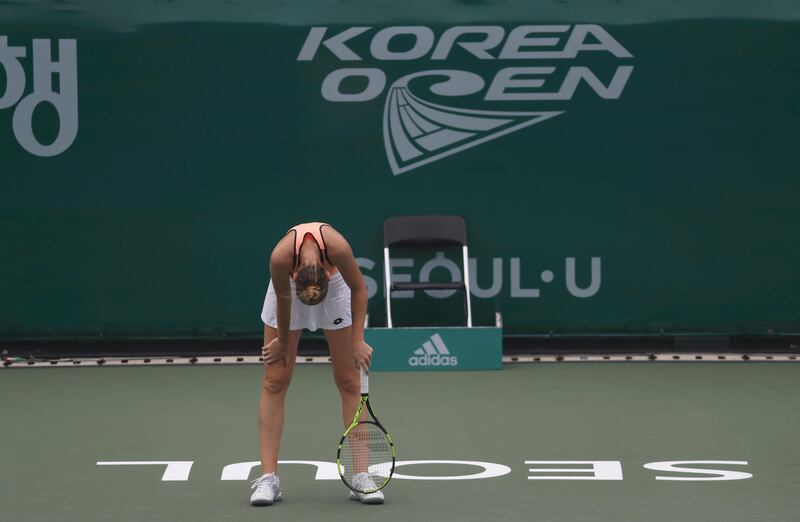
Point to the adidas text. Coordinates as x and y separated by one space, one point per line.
433 360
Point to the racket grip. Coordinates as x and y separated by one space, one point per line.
364 381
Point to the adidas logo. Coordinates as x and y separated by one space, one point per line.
433 353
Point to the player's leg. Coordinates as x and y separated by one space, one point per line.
277 377
339 335
348 380
345 373
267 487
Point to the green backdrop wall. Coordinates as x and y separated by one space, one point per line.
623 168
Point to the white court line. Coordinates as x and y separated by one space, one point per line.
325 359
653 357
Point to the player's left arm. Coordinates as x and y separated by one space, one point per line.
341 255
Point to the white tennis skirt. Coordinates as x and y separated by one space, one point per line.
333 313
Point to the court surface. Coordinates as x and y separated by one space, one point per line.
57 424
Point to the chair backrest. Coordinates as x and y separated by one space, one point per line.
423 231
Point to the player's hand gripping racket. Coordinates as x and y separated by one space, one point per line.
366 454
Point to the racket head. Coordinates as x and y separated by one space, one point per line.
366 457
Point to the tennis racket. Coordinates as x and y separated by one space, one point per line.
366 453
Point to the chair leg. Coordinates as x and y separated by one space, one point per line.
387 277
467 301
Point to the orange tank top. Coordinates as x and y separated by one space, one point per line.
313 229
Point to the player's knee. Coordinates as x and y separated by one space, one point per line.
349 385
276 383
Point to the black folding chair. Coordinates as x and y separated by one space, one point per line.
425 232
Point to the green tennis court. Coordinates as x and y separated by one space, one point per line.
740 419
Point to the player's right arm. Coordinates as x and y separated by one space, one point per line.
280 269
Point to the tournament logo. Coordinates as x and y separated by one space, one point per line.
417 131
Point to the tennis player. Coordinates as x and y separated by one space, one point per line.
315 283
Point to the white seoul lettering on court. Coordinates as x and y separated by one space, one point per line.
241 470
593 470
490 470
176 470
677 466
605 470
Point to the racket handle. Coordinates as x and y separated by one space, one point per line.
364 381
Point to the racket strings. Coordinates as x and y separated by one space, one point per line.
366 458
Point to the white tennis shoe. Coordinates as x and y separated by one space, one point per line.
266 490
364 482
